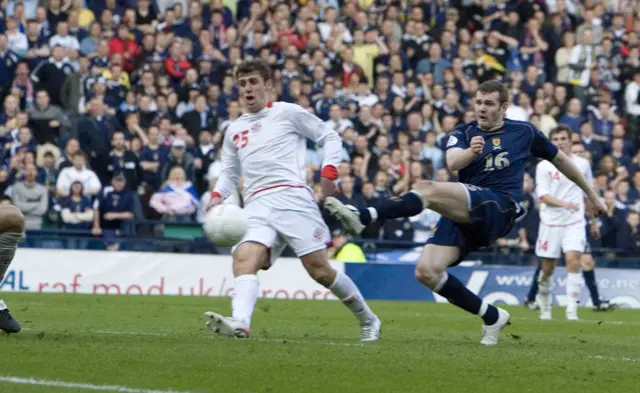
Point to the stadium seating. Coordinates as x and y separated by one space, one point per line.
117 81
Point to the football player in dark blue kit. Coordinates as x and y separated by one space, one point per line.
489 155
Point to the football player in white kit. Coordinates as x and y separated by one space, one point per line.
266 146
562 225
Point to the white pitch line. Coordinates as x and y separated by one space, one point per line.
78 385
623 359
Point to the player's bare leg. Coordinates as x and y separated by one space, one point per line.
545 281
588 273
431 271
318 267
451 200
573 284
11 232
248 259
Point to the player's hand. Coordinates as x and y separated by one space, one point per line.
599 208
572 206
477 145
328 186
213 202
96 231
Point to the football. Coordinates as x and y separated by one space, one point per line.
225 225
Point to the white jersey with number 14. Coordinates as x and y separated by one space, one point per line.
549 181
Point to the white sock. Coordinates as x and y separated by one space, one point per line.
3 306
574 285
245 298
350 295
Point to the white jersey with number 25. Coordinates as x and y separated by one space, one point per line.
549 181
269 150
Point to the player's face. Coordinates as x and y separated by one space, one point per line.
563 141
489 111
253 90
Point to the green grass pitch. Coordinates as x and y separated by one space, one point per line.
160 344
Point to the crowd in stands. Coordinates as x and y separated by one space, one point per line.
116 109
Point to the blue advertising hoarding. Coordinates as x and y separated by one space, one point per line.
495 284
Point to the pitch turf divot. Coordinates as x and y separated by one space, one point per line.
78 385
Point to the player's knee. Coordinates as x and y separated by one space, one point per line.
11 219
428 274
323 275
426 188
587 263
248 259
547 267
318 267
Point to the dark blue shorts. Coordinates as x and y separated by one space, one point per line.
492 217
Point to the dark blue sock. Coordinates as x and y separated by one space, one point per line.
533 291
590 281
458 294
407 205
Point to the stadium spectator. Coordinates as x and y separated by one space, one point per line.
114 211
177 200
78 172
77 209
31 198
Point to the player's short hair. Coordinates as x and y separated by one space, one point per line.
559 129
254 66
493 86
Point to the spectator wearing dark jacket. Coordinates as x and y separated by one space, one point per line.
628 237
46 121
178 156
199 119
612 221
51 74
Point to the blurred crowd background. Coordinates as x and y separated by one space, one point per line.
113 111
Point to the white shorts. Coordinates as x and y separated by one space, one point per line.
553 240
288 217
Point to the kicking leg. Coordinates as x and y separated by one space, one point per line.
431 272
451 200
318 267
530 301
248 258
545 300
11 233
573 284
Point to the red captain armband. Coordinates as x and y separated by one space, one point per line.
216 194
330 172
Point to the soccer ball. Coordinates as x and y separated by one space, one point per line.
225 225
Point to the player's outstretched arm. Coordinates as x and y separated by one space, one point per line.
227 183
568 168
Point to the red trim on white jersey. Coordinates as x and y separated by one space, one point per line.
269 104
276 186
